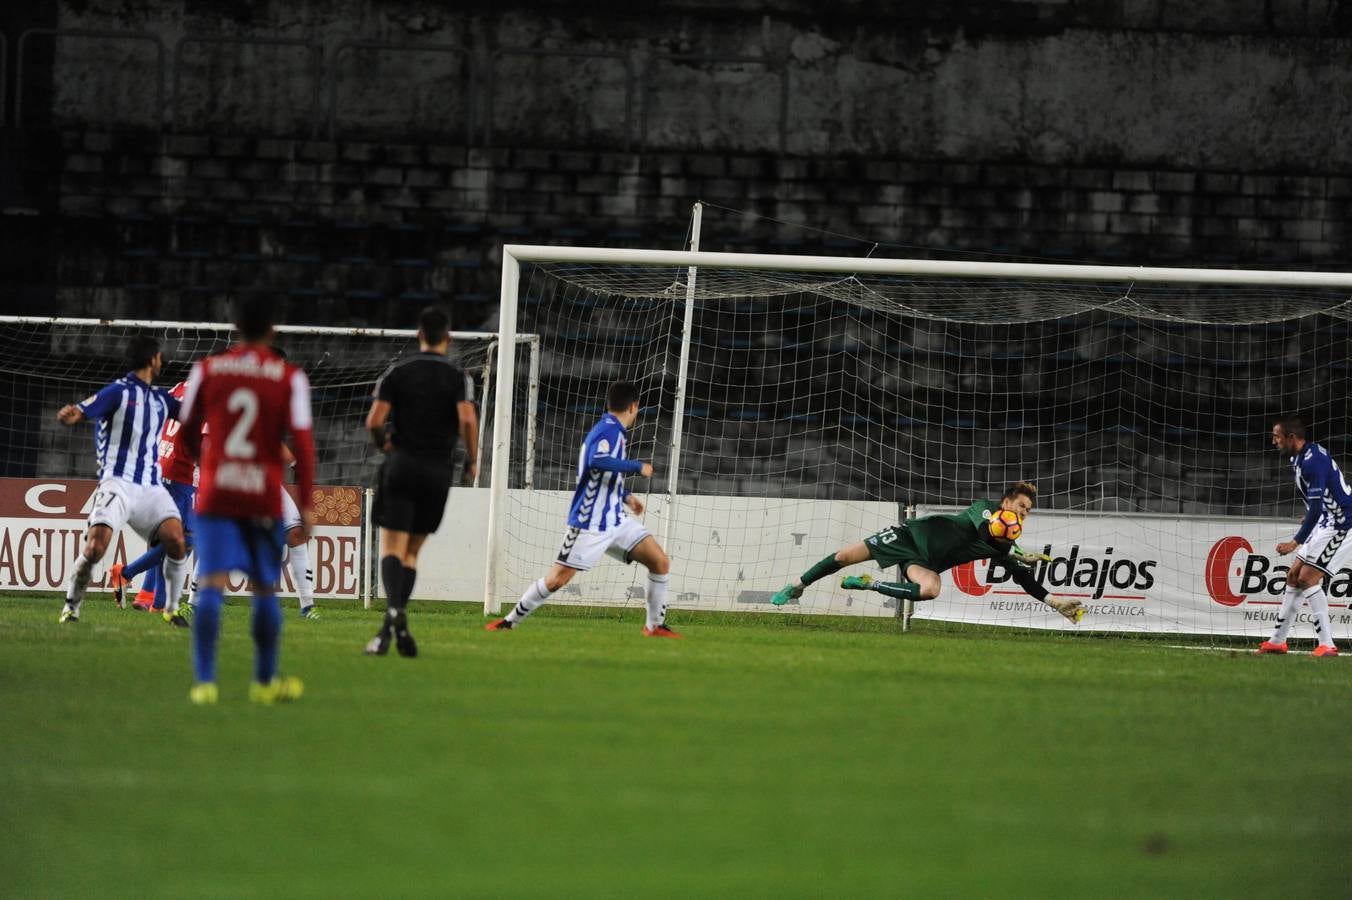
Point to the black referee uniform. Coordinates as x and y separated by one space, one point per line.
424 427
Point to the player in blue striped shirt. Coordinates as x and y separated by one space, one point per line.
128 416
1321 543
599 521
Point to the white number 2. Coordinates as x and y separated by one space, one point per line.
238 445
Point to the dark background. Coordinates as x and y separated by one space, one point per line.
357 160
355 182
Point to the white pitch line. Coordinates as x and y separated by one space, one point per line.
1242 650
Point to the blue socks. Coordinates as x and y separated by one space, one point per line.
206 626
267 633
147 561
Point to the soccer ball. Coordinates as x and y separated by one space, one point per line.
1005 525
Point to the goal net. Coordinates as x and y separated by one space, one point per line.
794 405
46 363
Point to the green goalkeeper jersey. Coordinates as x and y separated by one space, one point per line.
939 543
948 541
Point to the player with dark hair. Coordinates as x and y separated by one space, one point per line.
129 415
178 471
422 405
238 407
933 544
598 522
1321 543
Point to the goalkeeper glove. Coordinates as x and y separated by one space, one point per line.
1024 556
1071 609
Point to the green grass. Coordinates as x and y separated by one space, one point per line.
574 758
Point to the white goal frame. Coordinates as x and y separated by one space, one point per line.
513 255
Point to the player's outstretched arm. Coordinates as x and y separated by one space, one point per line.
95 407
1024 556
1069 607
623 466
1072 609
1314 507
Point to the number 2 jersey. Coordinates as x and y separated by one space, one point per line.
247 399
1328 501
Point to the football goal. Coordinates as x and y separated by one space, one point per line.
794 405
48 362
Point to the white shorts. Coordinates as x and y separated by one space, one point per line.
290 512
583 549
1327 549
144 507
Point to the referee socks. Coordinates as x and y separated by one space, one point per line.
392 575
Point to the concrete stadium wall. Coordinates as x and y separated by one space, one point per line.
1140 133
1251 85
114 188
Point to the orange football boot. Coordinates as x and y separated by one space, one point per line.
116 582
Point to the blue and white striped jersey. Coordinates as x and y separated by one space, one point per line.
598 502
128 416
1328 499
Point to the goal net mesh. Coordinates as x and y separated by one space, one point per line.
45 364
819 409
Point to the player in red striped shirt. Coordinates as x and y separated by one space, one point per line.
248 399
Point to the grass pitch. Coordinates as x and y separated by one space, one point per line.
575 758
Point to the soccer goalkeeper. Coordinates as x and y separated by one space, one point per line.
928 546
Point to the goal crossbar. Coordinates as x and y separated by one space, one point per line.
518 253
216 326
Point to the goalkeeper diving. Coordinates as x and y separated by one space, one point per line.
924 548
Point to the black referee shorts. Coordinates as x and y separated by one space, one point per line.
411 493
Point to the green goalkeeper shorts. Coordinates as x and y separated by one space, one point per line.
895 546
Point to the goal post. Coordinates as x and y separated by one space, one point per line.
824 391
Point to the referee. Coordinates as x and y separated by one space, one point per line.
421 404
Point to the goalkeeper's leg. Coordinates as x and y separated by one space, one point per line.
830 565
921 584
